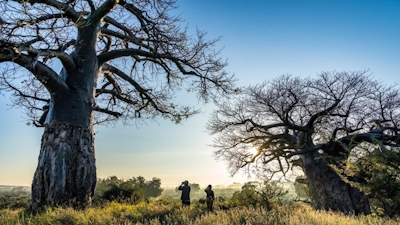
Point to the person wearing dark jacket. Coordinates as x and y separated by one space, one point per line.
209 198
185 197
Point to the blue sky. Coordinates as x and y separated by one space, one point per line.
261 40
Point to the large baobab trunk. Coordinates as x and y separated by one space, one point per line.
66 173
328 191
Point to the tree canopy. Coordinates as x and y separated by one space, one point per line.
270 125
143 56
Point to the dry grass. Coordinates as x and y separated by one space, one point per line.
170 212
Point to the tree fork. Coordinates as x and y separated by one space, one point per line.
66 172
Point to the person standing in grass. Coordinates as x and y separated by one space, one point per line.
185 197
209 198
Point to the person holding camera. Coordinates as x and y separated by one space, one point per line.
185 197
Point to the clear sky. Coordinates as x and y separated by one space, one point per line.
261 39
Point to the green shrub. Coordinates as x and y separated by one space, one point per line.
377 173
258 194
15 198
133 190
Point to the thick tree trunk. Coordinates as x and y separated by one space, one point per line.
328 191
66 173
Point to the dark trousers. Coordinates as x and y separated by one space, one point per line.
210 202
185 203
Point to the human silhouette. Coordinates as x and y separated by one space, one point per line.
209 198
185 196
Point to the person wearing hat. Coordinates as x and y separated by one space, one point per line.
185 197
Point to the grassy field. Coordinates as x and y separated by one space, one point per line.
164 211
167 209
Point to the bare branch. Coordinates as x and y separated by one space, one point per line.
105 57
69 12
322 113
44 74
115 94
115 114
305 151
103 10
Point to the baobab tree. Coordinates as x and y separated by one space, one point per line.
75 63
313 123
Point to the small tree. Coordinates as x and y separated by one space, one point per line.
153 188
75 63
312 123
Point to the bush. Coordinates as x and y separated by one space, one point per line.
15 198
379 171
258 194
133 190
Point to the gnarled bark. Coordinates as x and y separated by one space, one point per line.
66 173
328 191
